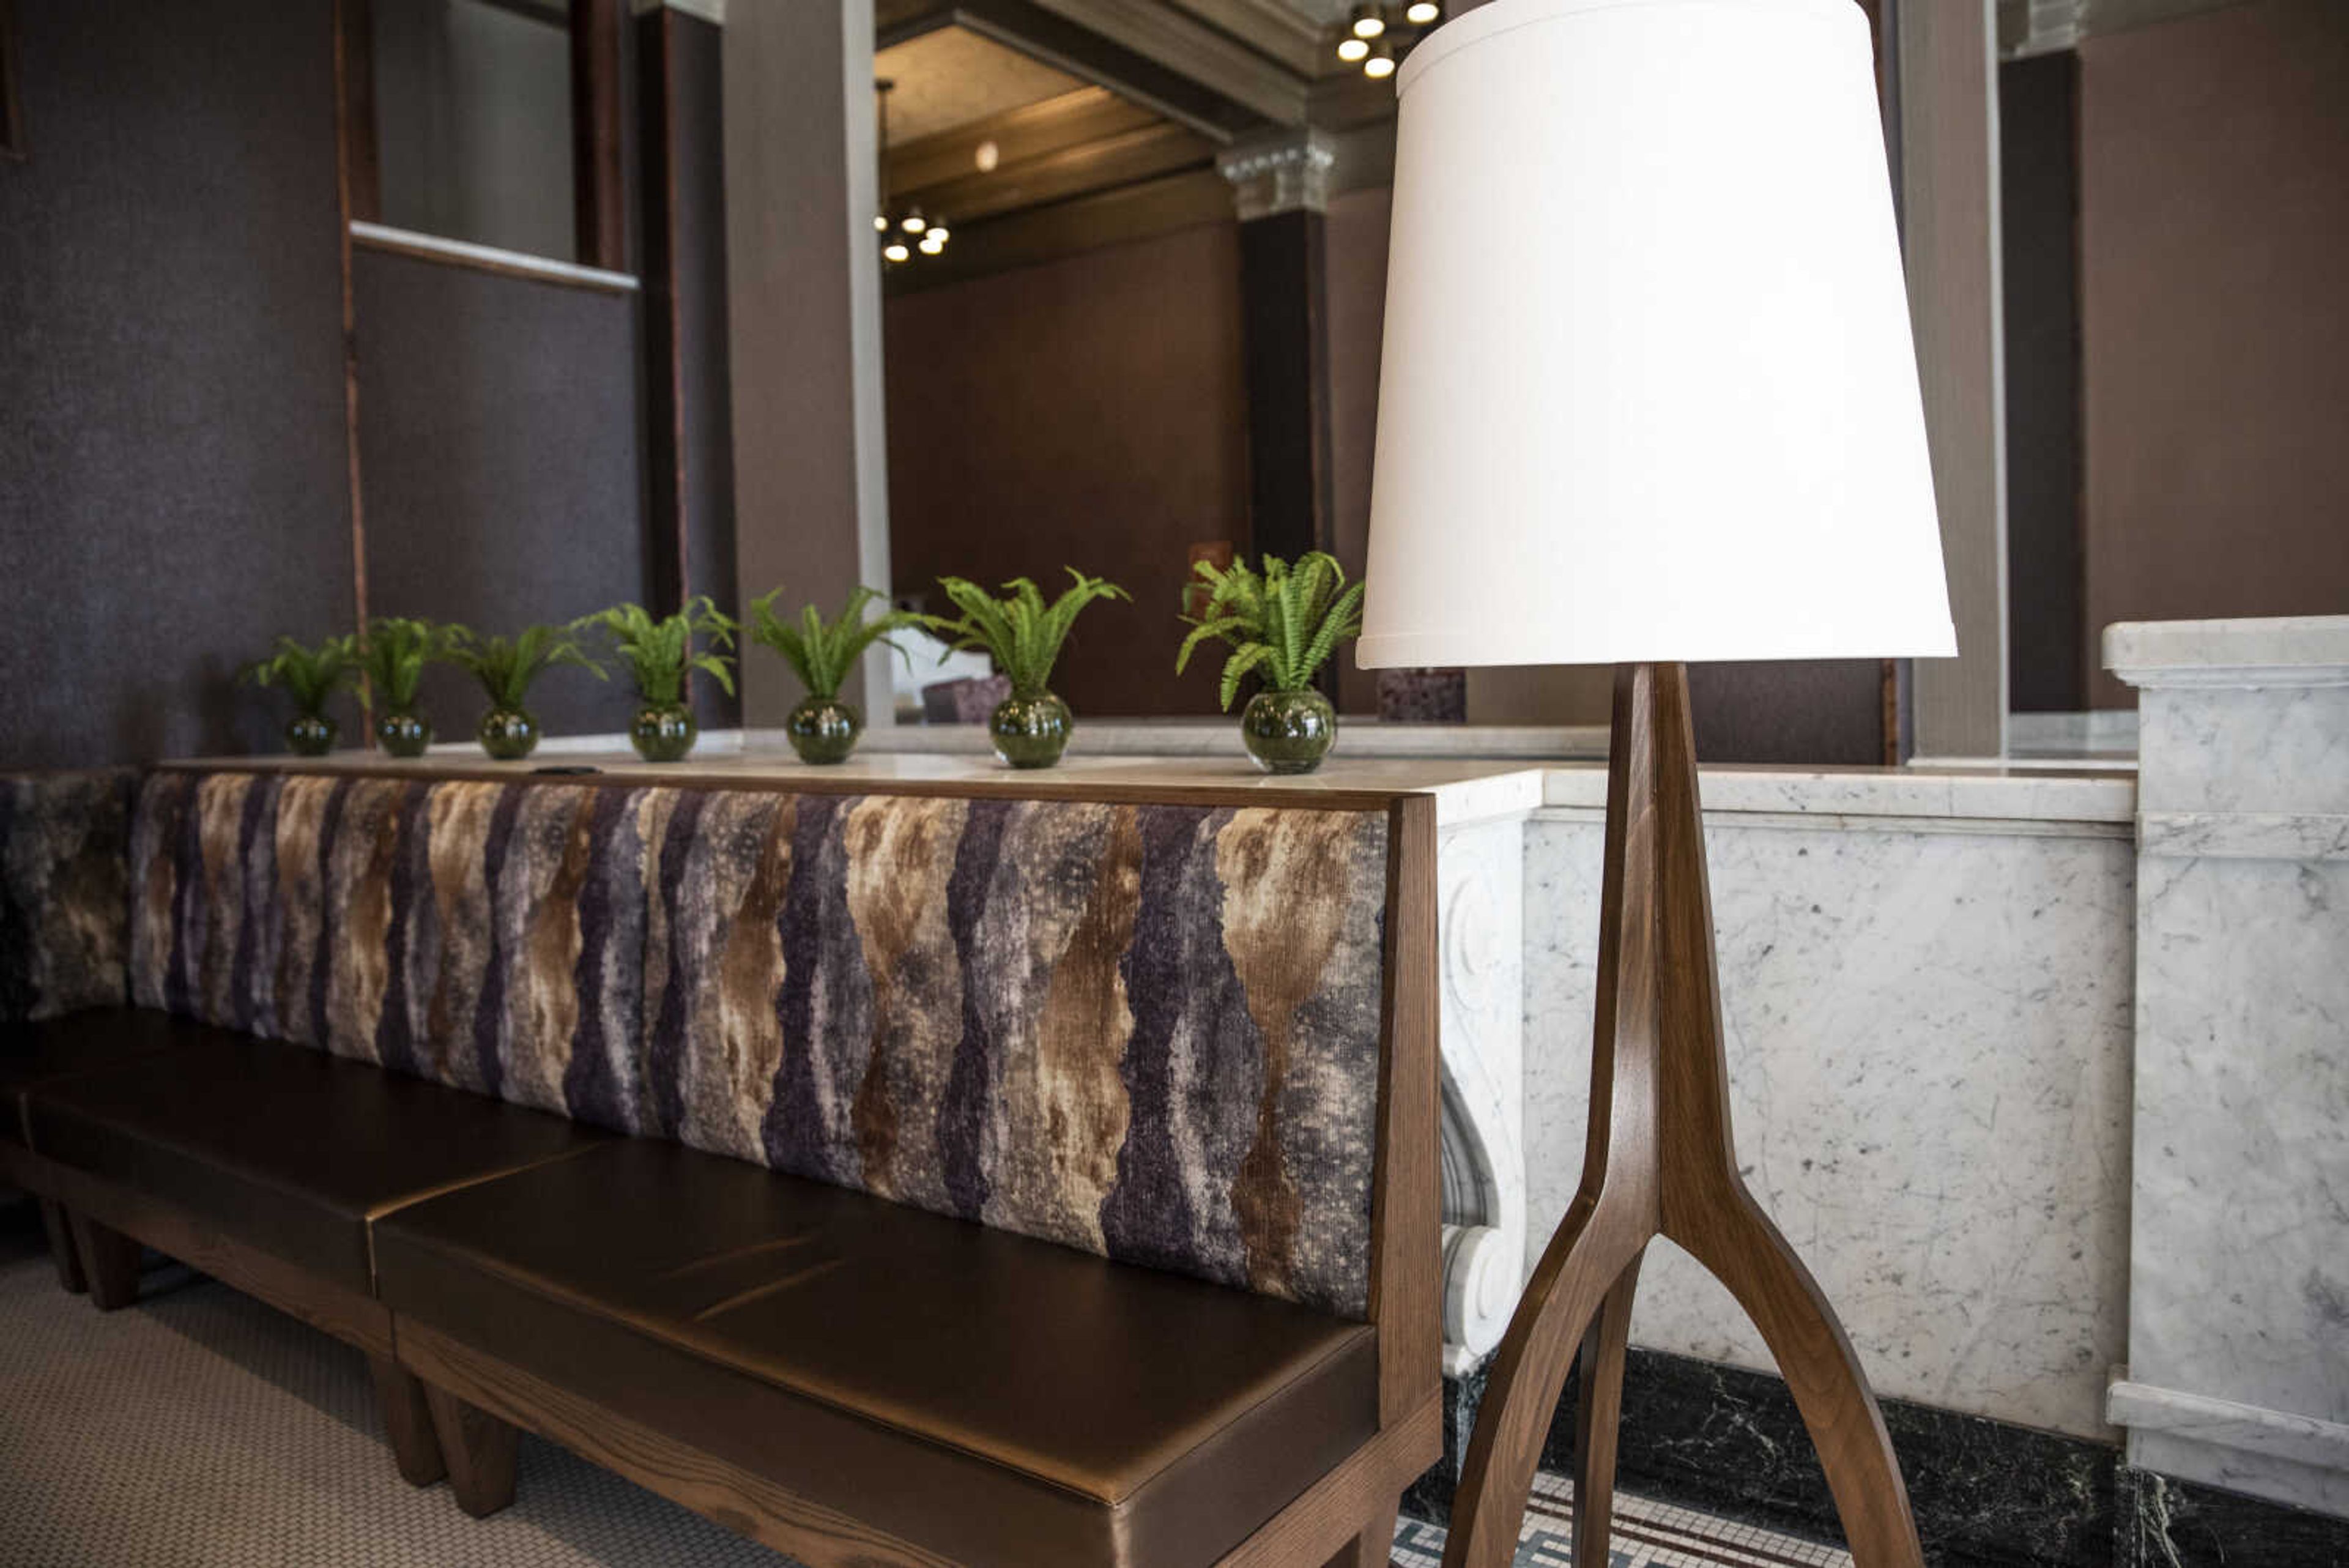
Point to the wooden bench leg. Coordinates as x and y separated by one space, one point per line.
62 1252
111 1261
407 1422
479 1449
1374 1547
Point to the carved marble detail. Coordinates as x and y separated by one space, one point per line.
1480 894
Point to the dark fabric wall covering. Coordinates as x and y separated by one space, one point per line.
2039 176
1088 412
499 438
172 467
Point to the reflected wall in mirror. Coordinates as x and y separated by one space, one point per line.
473 117
2176 206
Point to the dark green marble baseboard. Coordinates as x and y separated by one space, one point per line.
1987 1494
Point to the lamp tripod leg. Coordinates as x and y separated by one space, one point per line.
1597 1417
1737 1243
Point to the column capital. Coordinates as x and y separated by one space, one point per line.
1284 172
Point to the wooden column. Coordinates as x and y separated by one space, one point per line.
1280 187
596 198
688 444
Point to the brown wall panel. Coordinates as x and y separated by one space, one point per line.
500 444
1086 412
172 485
2214 223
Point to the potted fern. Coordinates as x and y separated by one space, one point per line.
1031 727
506 667
393 655
659 652
311 676
1282 624
823 728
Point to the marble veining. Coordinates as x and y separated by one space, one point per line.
2270 748
1929 1043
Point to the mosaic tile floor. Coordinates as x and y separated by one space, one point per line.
202 1429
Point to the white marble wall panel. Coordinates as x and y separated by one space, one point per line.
1928 1042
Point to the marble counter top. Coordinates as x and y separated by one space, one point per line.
1991 794
2283 651
1469 788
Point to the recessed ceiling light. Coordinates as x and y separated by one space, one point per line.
1419 13
1381 65
986 155
1350 49
1368 21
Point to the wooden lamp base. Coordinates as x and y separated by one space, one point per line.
1661 1161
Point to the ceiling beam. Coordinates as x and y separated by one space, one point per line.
1142 153
1274 30
1032 131
1184 45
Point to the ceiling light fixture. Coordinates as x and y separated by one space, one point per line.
931 232
1376 38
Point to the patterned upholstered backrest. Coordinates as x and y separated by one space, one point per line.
64 843
1148 1030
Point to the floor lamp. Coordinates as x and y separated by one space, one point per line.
1648 396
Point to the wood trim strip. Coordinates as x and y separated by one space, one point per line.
489 259
350 16
1406 1288
750 1504
1026 786
331 1308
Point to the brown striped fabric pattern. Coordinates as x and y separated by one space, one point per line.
64 862
1149 1032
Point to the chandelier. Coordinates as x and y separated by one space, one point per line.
1377 36
903 233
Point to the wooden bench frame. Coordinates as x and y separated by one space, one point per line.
1347 1520
451 1410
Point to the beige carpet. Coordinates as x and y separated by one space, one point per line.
202 1429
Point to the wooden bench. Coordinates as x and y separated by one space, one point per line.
1019 1174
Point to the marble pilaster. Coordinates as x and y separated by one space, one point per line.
2238 1368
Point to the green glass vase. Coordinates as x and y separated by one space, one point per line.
823 729
311 735
404 733
1288 732
664 732
508 734
1032 729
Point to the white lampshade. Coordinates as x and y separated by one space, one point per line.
1648 390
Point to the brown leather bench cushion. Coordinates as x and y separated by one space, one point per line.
287 1150
994 1397
32 1054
